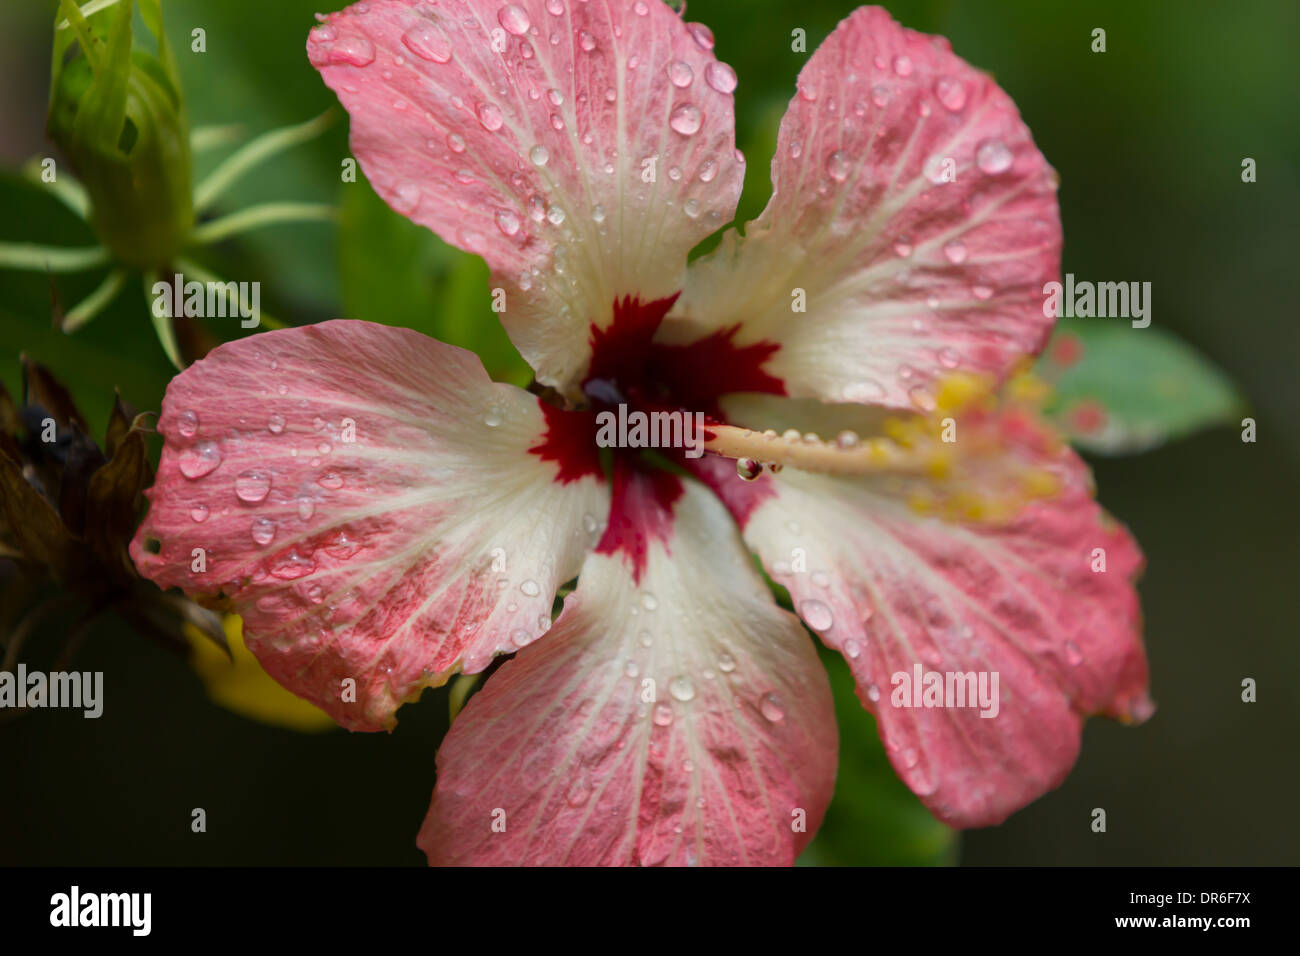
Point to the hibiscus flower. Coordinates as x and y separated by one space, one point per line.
384 516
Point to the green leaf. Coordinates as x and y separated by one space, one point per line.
873 820
398 273
1120 390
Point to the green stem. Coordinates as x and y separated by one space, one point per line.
194 270
93 304
66 190
254 217
255 152
25 255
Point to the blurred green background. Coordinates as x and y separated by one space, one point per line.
1148 139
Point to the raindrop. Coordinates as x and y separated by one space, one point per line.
702 35
330 480
555 215
199 513
406 198
354 51
951 93
663 715
428 44
903 65
770 706
692 208
598 213
456 143
555 8
873 693
680 74
947 358
263 530
686 119
187 423
955 251
586 41
902 248
539 155
630 669
748 469
681 688
489 117
507 222
200 460
275 424
720 76
852 649
847 439
493 418
649 601
708 170
993 157
726 663
555 96
880 94
530 588
837 165
579 791
253 486
982 292
306 508
514 18
639 8
816 614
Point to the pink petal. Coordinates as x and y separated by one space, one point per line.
428 543
905 278
893 589
493 125
560 759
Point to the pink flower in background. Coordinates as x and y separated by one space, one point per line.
384 516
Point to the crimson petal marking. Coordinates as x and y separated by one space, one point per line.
891 589
906 275
561 758
492 124
427 544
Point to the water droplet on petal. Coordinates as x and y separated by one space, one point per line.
456 143
955 251
770 707
507 222
748 469
680 74
720 76
263 530
663 715
252 486
406 198
530 588
539 155
873 693
306 508
702 35
275 424
816 614
951 93
837 165
187 423
199 513
555 8
681 688
993 157
726 663
649 601
903 65
692 208
200 460
639 8
428 44
686 119
846 440
598 213
489 117
514 18
586 41
352 50
1073 656
579 791
330 480
555 215
852 649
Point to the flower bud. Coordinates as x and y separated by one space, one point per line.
118 115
